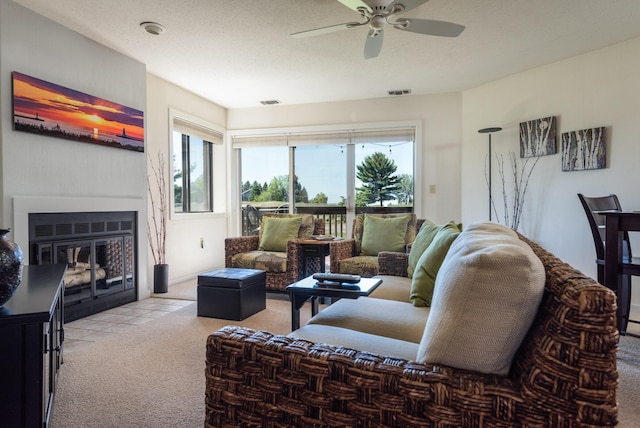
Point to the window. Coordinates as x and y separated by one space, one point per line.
321 171
193 147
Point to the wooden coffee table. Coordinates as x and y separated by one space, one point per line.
308 288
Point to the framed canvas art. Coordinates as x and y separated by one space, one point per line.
538 137
585 149
48 109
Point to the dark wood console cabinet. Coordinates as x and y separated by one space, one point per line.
31 337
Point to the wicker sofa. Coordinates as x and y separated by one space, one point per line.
562 375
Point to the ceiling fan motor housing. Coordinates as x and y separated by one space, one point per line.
377 22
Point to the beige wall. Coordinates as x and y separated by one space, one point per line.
184 255
440 116
600 88
45 174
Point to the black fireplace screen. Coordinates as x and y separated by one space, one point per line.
98 249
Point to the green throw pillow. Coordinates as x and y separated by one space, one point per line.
424 276
423 240
277 231
383 234
307 225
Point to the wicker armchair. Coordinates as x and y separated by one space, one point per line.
345 255
275 281
564 374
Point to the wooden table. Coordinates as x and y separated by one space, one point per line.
314 251
308 288
616 223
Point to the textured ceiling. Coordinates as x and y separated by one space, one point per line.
237 53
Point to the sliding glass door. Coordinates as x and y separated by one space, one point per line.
321 180
265 184
332 175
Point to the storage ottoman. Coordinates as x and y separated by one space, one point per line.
231 293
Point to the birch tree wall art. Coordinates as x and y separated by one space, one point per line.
585 149
538 137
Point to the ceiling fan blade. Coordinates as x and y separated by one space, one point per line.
355 4
429 27
407 4
373 44
325 30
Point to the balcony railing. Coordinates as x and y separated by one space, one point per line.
335 217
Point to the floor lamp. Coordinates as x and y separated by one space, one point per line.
489 131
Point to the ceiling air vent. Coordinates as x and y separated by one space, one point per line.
397 92
269 102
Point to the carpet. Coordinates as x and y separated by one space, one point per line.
150 376
153 374
628 364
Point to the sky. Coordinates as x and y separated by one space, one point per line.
319 168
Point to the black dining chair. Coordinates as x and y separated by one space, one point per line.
595 207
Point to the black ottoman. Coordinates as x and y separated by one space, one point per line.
231 293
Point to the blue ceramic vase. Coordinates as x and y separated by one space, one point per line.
10 267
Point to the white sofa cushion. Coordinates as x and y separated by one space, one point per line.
352 339
389 318
486 296
393 288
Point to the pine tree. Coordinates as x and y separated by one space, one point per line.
379 182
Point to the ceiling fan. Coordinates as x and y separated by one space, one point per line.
378 13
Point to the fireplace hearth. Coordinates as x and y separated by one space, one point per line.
99 251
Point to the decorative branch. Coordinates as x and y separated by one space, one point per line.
521 178
159 210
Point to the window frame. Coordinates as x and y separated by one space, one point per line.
213 134
237 140
207 157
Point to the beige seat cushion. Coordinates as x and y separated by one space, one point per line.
358 340
486 296
389 318
393 288
269 261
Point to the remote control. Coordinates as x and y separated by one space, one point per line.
337 277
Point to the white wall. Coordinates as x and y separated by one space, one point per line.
441 137
184 255
38 169
600 88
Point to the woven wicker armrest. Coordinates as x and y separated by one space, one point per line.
305 384
294 260
241 244
340 250
318 226
393 263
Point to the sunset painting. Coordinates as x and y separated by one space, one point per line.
48 109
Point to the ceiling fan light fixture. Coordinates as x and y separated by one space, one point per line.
153 28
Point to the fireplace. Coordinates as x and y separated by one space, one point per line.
99 250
